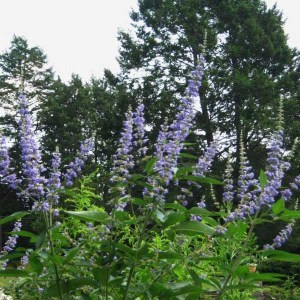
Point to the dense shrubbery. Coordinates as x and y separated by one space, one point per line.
146 241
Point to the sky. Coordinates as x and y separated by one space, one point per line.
80 36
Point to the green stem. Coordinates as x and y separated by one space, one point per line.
237 260
133 264
57 278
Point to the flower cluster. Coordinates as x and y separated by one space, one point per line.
139 130
32 167
123 159
228 193
6 172
275 169
11 243
281 238
171 140
75 167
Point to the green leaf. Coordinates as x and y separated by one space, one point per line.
127 250
15 216
12 255
290 214
198 211
40 239
71 254
278 207
24 233
13 273
194 228
89 216
205 180
281 255
263 180
187 155
150 165
134 177
170 256
173 218
35 264
138 201
271 277
183 171
176 206
70 285
101 274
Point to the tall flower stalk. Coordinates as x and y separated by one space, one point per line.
170 140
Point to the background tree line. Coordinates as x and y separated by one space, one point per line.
249 67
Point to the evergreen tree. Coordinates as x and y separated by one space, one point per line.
23 69
248 62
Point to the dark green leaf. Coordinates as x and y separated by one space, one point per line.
173 218
13 273
170 255
71 254
176 206
290 214
186 155
281 255
262 179
278 207
194 228
35 264
150 164
15 216
24 233
198 211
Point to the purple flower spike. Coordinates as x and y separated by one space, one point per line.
171 141
53 184
11 243
31 157
281 238
275 169
75 167
123 159
139 130
6 172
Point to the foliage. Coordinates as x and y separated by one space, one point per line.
146 242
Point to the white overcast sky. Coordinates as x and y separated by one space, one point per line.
80 36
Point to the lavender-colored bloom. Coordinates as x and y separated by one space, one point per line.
6 172
281 238
123 159
220 229
11 243
75 166
275 169
170 142
31 157
139 130
24 260
205 162
53 184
